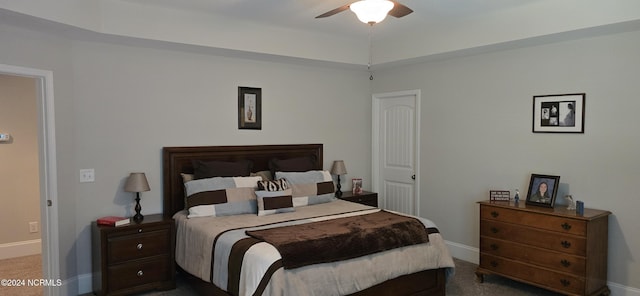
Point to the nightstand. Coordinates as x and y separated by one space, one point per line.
134 257
365 198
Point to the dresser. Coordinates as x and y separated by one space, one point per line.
135 257
552 248
365 198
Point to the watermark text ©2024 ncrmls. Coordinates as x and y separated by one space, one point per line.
30 282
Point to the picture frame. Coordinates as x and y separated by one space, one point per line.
249 108
543 190
356 186
562 113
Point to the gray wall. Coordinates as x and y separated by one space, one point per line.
117 105
476 134
19 178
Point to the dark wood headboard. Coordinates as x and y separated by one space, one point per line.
176 160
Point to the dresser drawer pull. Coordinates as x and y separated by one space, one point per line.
566 226
140 273
139 247
566 244
495 214
565 262
139 230
495 229
565 282
493 264
494 247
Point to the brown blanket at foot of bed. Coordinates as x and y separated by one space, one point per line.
343 238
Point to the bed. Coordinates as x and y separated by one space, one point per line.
367 274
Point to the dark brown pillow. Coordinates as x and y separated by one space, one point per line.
210 169
297 164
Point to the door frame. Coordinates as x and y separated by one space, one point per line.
47 170
375 141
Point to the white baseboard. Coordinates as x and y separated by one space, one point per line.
19 249
620 290
464 252
85 284
471 254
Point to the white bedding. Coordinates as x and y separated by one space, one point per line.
195 238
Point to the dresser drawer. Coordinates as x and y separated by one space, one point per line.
140 272
527 254
545 277
537 220
534 237
134 246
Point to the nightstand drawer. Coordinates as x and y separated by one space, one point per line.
559 224
138 273
535 237
532 255
127 247
369 200
365 198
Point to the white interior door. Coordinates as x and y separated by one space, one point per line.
395 151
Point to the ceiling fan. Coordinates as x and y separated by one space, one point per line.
372 11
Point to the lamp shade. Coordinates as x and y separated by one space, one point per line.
371 11
338 168
137 182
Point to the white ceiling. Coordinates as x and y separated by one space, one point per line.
288 28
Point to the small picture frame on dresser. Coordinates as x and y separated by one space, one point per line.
542 190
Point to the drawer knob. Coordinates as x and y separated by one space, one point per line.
495 229
495 214
140 273
493 264
494 247
139 230
565 282
139 247
565 262
566 244
566 226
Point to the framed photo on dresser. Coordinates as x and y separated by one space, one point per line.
542 190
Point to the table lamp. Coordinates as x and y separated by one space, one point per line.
137 182
338 169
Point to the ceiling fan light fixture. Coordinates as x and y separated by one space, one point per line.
371 11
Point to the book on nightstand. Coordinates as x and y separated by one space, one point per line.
113 221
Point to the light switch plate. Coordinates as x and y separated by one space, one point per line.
87 175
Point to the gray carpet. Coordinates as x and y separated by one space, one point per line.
462 283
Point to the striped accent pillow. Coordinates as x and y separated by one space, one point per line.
309 188
273 185
274 202
221 196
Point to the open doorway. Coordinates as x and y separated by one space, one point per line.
20 244
43 170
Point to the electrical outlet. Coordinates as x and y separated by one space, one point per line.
33 227
87 175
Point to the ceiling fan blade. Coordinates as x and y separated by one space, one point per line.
399 10
332 12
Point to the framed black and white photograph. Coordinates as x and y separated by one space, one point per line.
249 108
542 190
559 113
